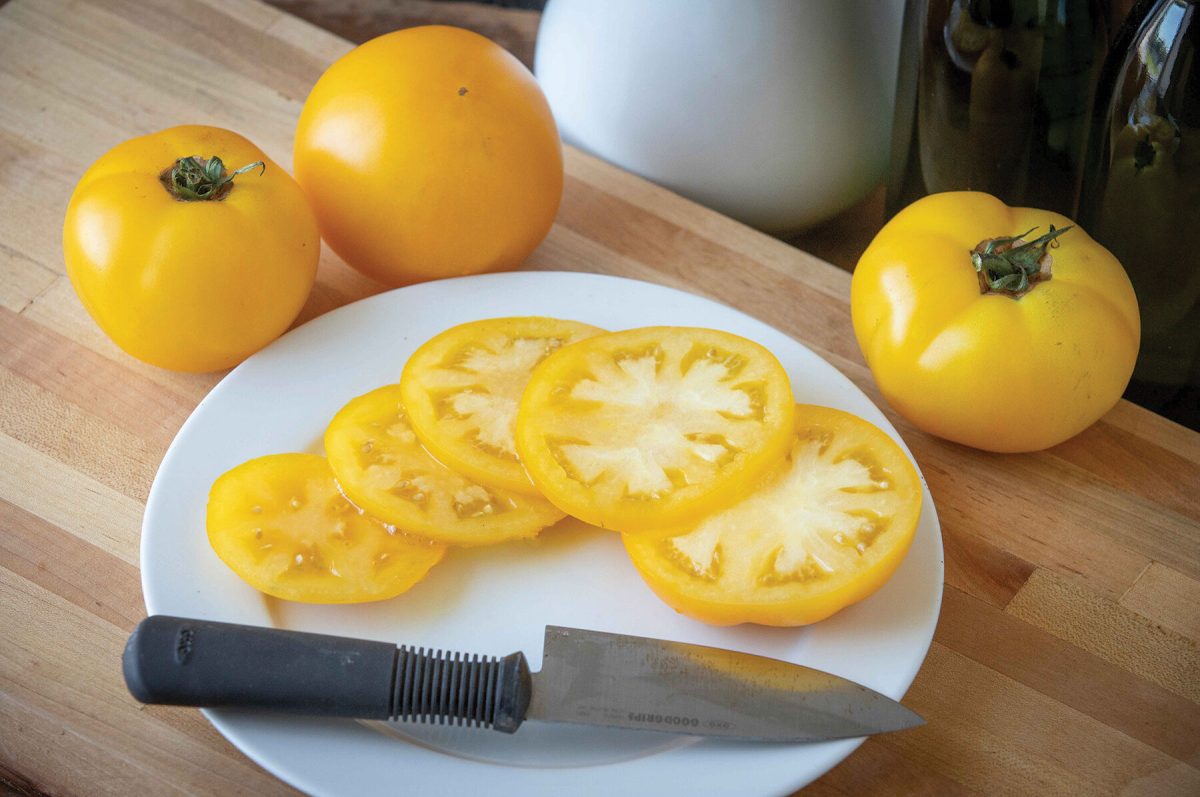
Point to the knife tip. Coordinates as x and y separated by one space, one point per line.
905 719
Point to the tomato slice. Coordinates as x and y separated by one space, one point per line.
823 531
462 387
383 468
650 429
281 524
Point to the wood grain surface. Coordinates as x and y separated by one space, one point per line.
1065 660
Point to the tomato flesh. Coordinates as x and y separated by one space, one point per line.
650 429
282 525
382 467
461 390
824 530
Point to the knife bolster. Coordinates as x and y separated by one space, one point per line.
515 690
448 687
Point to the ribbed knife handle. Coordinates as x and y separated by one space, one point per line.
185 662
441 687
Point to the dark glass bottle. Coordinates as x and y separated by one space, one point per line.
995 95
1141 195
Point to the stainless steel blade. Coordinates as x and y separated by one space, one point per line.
598 678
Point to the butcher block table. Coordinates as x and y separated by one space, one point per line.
1065 660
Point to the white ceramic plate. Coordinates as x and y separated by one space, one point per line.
497 600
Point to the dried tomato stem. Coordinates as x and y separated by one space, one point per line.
196 179
1011 266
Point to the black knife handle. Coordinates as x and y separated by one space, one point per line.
182 662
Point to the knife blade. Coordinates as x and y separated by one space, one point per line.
587 677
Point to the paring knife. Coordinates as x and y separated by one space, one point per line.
587 677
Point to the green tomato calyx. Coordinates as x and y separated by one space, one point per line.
1012 266
197 179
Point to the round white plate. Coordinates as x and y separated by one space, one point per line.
497 600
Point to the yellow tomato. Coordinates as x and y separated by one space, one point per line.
384 469
647 430
184 261
826 529
283 526
429 152
462 387
1019 355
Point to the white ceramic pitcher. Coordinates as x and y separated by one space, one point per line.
775 112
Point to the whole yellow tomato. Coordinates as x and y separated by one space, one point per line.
427 153
1006 329
184 263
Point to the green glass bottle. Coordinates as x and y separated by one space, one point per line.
1141 194
995 96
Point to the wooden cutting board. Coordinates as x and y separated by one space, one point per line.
1066 656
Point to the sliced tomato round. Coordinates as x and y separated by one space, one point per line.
826 529
650 429
462 387
281 524
383 468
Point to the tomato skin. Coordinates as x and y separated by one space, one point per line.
190 286
746 538
987 370
429 152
